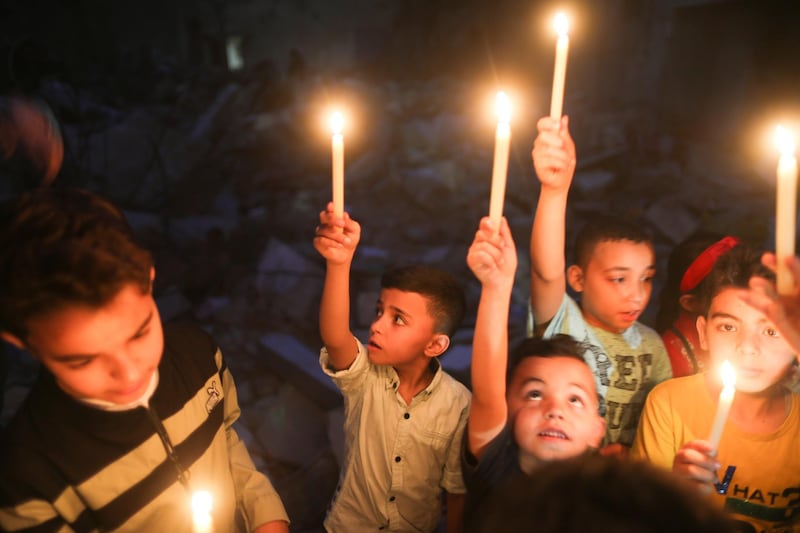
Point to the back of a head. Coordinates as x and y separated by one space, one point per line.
64 247
733 270
445 295
602 495
606 228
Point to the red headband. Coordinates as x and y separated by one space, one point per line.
702 265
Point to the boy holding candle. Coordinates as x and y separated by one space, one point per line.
530 408
754 472
404 416
127 419
614 270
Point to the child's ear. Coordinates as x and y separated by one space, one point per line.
437 345
575 278
599 431
689 303
701 331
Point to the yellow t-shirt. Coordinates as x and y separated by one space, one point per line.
763 470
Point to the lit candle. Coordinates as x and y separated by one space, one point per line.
502 142
724 405
560 71
337 144
201 511
785 209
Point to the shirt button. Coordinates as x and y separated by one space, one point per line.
397 459
406 416
391 498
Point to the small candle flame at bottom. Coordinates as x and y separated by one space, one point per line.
202 503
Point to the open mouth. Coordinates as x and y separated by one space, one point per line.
553 434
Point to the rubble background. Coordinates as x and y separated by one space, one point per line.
223 172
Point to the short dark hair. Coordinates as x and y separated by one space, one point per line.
601 494
606 228
62 247
733 269
446 302
559 345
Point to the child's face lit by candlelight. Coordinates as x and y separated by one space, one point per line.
735 331
108 353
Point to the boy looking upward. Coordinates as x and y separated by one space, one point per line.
404 416
127 419
755 471
614 270
544 408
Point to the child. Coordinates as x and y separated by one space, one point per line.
687 270
755 470
404 416
127 419
613 272
547 408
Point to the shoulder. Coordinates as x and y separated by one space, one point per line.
686 387
450 388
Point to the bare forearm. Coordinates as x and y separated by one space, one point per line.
334 316
548 281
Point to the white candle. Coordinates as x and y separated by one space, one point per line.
502 142
724 405
202 503
560 70
337 147
785 208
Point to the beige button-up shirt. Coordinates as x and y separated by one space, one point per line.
399 457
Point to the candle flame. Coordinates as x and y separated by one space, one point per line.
202 502
728 374
336 122
503 107
785 140
561 24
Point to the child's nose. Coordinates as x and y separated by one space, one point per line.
125 369
553 409
749 344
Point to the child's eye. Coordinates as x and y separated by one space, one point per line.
378 311
79 363
399 320
771 332
617 280
576 400
140 334
534 394
727 328
647 279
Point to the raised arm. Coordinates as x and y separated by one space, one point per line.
336 240
493 260
554 162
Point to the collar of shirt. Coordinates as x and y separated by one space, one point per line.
393 380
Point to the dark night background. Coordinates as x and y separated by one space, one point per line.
223 168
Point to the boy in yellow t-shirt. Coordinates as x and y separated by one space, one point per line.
754 472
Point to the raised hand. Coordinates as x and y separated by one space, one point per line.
336 238
492 257
553 153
